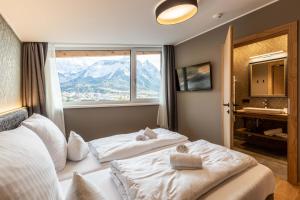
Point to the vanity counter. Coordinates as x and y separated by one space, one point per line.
277 117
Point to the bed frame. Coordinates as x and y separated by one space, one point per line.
12 119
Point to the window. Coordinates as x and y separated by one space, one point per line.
109 76
148 74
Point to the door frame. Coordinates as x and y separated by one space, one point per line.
290 29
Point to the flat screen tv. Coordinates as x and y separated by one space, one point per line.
195 78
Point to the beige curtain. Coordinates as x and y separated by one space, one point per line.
54 104
33 80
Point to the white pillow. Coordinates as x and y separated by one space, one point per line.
81 189
78 149
52 137
26 169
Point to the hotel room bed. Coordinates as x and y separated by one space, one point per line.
91 164
255 183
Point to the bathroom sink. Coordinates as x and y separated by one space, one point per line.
264 110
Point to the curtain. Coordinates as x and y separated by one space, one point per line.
33 79
167 112
54 104
162 117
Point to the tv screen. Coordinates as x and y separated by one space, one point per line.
195 78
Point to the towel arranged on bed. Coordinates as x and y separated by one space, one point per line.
125 145
180 161
150 133
182 148
151 177
146 135
141 138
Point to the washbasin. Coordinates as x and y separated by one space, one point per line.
265 110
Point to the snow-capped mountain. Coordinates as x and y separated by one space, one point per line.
101 76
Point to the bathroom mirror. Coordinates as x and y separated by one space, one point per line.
268 78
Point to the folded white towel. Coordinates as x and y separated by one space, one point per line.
272 132
180 161
141 138
150 133
182 148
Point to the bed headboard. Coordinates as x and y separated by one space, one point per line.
12 119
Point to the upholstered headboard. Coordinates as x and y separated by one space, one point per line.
13 119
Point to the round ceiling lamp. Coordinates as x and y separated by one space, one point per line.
175 11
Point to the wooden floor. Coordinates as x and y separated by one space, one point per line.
279 167
277 155
286 191
283 189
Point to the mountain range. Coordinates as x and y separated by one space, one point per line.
103 76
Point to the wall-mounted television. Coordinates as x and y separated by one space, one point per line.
195 77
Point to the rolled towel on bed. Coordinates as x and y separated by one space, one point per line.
141 138
182 148
150 133
181 161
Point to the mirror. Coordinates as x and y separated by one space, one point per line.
268 79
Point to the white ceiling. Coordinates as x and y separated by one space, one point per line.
118 22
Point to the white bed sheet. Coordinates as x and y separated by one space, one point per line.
123 146
137 175
92 164
87 165
255 183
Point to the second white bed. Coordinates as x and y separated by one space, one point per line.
255 183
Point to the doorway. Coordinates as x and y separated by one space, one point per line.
275 76
261 102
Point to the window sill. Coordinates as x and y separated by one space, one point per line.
109 105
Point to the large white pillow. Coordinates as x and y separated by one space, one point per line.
78 149
52 137
81 189
26 169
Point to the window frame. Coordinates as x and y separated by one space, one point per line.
133 100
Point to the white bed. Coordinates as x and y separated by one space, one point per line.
255 183
123 146
92 164
88 165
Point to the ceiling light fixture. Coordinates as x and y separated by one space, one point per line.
175 11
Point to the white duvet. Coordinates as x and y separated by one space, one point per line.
151 177
125 145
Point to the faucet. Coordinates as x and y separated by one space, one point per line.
265 103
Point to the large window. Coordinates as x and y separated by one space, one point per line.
109 76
